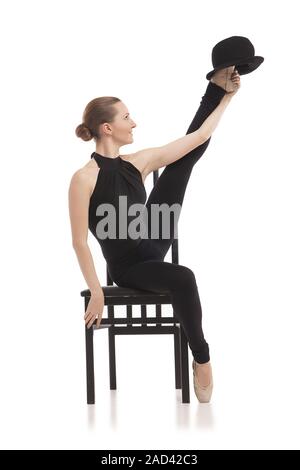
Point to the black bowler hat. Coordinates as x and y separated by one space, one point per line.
238 51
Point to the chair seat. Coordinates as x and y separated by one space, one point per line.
116 295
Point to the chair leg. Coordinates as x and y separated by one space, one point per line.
177 357
89 351
184 367
112 358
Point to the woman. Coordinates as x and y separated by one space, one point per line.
136 261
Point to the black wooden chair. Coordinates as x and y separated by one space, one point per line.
115 295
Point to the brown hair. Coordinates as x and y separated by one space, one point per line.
96 112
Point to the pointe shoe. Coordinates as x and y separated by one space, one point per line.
202 393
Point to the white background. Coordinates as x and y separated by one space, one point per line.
239 227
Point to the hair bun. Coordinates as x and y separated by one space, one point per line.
83 132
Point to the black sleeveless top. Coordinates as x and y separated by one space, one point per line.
116 177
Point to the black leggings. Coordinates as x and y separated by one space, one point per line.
147 269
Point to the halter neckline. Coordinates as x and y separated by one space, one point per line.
106 158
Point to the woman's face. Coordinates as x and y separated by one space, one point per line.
122 126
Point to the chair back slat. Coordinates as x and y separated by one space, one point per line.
144 314
109 281
158 313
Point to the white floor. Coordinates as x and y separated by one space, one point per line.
255 403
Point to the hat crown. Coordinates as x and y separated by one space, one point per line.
232 49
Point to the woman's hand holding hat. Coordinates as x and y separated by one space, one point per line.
236 83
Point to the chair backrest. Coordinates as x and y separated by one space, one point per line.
174 245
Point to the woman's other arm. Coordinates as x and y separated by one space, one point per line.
79 196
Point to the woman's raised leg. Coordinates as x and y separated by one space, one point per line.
171 184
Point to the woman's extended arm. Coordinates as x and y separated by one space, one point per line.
153 158
79 195
180 147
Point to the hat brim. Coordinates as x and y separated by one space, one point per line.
243 66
